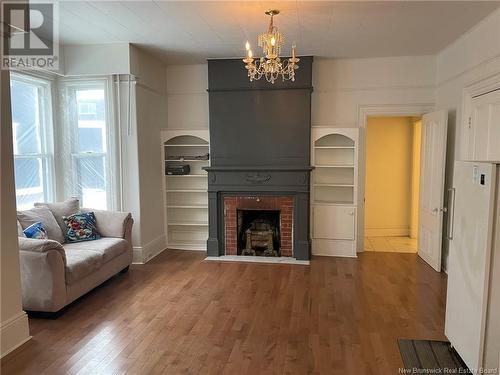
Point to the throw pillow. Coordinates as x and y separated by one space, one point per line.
44 216
81 227
59 209
36 231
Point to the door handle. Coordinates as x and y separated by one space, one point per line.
436 210
451 219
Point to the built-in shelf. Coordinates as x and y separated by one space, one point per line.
333 191
186 197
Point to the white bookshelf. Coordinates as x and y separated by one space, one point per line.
185 196
334 154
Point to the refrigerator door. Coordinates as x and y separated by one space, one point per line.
469 259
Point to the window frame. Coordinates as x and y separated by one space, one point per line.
45 91
69 117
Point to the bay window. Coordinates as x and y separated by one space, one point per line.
32 140
87 124
74 157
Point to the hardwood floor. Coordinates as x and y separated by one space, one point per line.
179 314
391 244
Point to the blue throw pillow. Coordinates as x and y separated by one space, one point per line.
36 230
81 227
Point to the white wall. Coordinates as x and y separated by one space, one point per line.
474 56
14 322
187 96
150 116
102 59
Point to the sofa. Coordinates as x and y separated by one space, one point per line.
55 273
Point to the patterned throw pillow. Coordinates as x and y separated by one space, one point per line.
81 227
37 231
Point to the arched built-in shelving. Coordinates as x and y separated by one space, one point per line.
185 196
334 155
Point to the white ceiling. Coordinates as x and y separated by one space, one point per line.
188 31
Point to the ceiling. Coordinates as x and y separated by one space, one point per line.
189 31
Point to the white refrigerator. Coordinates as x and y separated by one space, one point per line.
472 307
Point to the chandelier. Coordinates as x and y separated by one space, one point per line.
271 66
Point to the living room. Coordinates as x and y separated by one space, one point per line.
186 206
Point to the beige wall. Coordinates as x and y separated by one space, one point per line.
14 322
388 176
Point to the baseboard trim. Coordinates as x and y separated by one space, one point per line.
14 332
143 254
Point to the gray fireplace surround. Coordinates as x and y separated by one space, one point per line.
259 145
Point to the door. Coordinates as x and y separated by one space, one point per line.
484 123
334 222
432 173
469 259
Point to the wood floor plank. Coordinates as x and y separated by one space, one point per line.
181 315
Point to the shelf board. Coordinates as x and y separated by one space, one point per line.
188 145
335 203
189 207
185 160
187 223
334 166
185 191
333 185
336 147
186 175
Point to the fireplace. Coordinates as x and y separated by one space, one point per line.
259 169
265 221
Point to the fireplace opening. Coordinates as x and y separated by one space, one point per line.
258 232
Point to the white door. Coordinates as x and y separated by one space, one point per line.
432 162
469 259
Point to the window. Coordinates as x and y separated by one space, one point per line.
89 137
32 129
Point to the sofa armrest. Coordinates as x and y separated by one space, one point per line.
43 278
35 245
111 223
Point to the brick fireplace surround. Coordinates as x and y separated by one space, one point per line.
284 204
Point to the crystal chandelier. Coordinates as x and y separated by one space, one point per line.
271 66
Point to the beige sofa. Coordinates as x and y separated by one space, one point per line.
54 274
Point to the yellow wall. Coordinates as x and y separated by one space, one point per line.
415 178
389 162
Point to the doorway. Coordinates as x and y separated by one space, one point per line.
392 181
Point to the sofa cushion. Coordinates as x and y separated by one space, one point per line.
59 209
107 248
44 216
81 263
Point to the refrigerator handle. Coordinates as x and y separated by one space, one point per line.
451 213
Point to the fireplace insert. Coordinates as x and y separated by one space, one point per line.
258 232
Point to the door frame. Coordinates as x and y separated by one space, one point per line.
364 112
